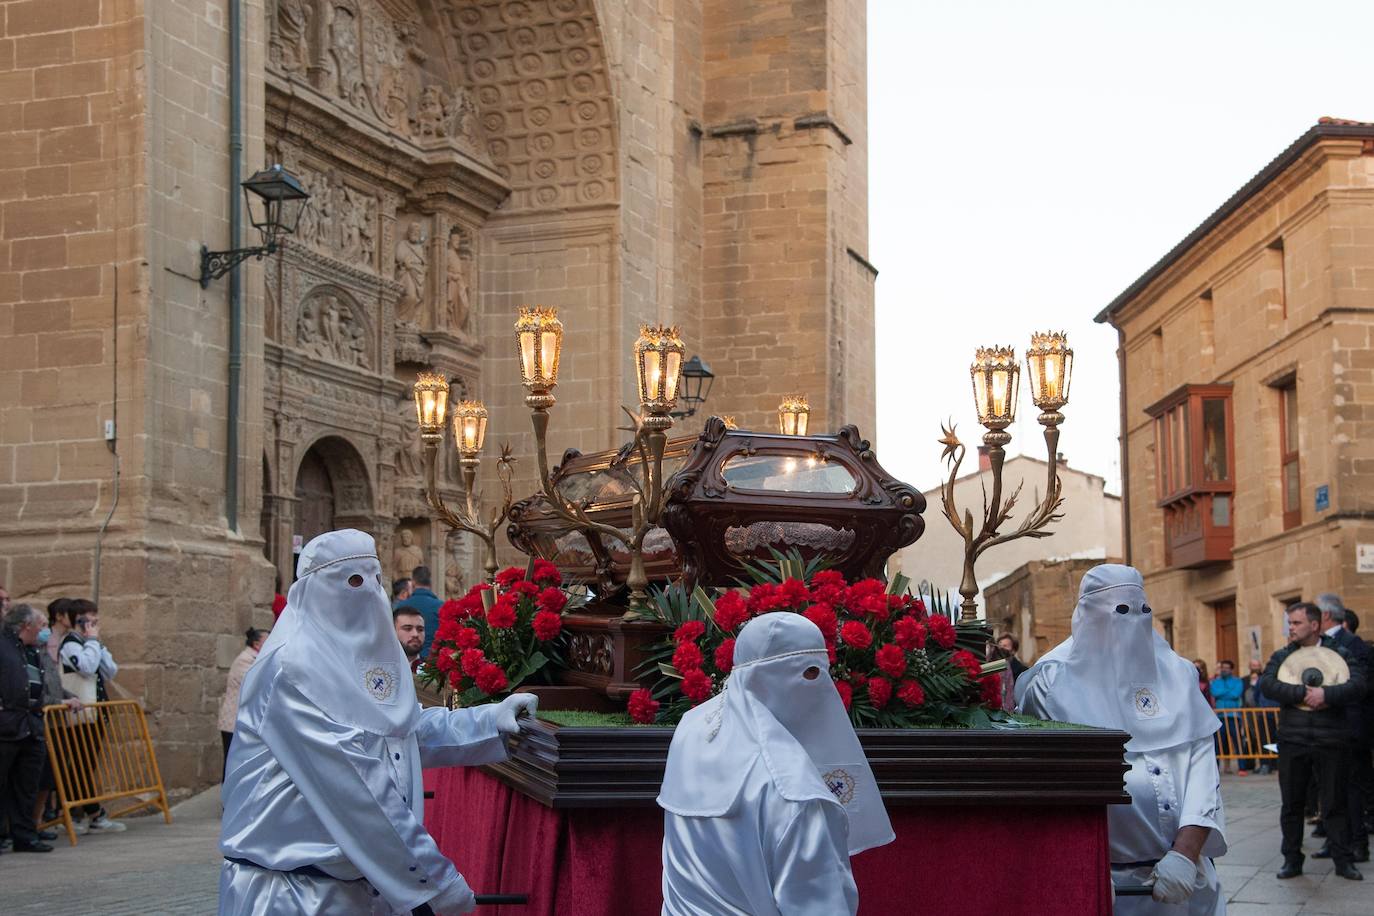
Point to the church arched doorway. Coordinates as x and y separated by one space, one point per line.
314 497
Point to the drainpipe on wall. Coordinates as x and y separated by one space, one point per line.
231 441
1125 450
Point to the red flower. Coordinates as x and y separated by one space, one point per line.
828 578
509 576
502 613
643 707
688 657
892 660
455 679
547 625
445 661
730 611
966 660
473 660
696 686
919 607
990 691
725 656
490 678
545 573
941 630
794 593
450 610
879 691
763 598
910 693
690 631
856 635
846 693
553 600
830 651
823 616
466 638
528 589
909 633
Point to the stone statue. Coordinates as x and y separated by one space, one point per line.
465 120
412 269
406 556
289 48
343 34
458 289
432 113
409 450
352 220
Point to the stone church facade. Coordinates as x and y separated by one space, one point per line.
696 162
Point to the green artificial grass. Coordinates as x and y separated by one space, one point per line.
572 718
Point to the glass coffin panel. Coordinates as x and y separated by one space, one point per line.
787 474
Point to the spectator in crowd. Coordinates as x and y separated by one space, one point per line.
423 599
401 589
1010 645
1357 715
1266 721
410 630
1204 682
1227 690
278 600
1352 621
21 726
53 694
229 706
87 668
1313 737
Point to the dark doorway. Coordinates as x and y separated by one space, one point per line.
1228 645
315 497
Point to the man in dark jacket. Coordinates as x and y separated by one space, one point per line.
427 603
1358 715
21 726
1313 737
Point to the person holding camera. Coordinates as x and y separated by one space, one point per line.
86 667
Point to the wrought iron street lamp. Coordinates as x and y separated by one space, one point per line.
794 415
276 199
431 394
996 385
697 379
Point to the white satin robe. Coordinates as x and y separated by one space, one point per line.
1170 788
301 790
766 857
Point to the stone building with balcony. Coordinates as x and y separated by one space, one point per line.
1247 402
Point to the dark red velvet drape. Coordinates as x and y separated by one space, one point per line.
947 860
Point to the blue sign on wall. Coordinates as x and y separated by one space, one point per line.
1323 498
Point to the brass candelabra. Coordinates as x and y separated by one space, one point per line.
469 432
996 383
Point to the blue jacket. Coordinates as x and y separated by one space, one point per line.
1227 691
427 603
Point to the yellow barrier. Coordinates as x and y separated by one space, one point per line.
1244 733
101 753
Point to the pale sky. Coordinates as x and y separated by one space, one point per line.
1029 160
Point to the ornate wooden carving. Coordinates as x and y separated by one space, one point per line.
623 767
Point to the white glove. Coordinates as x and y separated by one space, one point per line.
509 709
454 899
1174 878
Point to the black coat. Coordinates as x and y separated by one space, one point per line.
21 706
1325 727
1361 715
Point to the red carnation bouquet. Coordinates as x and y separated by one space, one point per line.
894 663
496 638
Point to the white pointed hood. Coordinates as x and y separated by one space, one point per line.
769 713
335 640
1115 671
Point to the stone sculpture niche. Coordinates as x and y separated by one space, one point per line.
329 329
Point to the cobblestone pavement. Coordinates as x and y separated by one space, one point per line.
154 868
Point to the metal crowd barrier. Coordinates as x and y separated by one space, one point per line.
102 753
1244 732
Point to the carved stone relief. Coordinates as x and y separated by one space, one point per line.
341 220
329 328
458 281
410 462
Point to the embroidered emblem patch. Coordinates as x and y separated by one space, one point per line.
1146 703
380 681
841 784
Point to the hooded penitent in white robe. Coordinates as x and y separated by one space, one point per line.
1116 672
767 792
323 799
